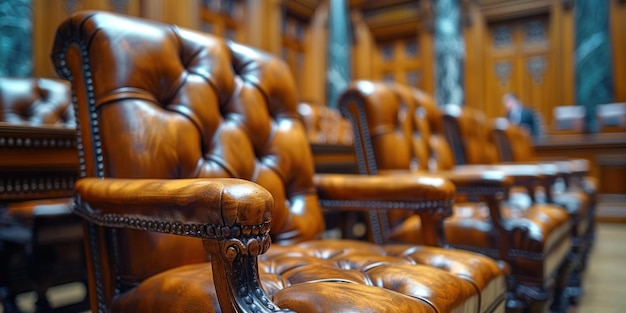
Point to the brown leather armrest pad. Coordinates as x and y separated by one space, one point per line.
408 188
204 201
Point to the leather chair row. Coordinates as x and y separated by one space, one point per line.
573 189
325 125
40 239
400 129
193 158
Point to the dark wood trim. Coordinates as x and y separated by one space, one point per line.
334 158
501 10
581 141
37 162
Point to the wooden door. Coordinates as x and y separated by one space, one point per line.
519 60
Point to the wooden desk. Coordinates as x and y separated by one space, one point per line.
37 162
606 153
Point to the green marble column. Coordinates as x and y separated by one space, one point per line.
338 71
449 52
16 38
593 59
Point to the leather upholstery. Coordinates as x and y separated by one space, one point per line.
402 130
576 192
168 117
324 125
35 101
38 168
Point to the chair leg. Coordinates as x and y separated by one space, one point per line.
7 297
8 301
561 300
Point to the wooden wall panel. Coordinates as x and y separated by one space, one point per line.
313 80
182 13
539 72
364 49
48 14
475 67
565 39
618 39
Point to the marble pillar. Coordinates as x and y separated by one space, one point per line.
338 70
16 38
449 52
593 58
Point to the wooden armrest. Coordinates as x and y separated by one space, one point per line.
477 182
212 203
232 217
524 174
473 180
429 196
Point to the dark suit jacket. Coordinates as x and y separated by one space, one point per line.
528 120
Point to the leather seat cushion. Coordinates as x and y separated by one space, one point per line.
470 228
194 284
289 273
577 204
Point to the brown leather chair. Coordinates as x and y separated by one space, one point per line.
575 191
472 139
40 239
324 125
183 134
399 129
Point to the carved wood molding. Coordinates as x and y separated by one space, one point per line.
21 187
301 9
494 10
37 162
392 19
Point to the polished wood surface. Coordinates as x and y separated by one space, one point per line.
607 155
37 162
334 158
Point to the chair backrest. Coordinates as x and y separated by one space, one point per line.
396 128
469 134
156 101
36 101
38 140
386 136
325 125
513 142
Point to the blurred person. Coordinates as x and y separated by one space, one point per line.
518 114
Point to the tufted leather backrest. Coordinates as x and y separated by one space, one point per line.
36 101
155 101
468 132
325 125
513 142
398 127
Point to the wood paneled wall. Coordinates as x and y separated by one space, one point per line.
373 31
48 14
522 46
618 39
